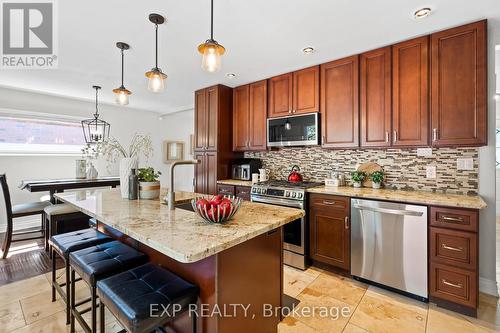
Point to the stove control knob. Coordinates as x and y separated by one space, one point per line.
287 194
257 190
300 195
294 194
264 191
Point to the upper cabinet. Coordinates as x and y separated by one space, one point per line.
458 86
375 99
339 103
249 117
294 93
410 93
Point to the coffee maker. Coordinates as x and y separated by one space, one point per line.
242 169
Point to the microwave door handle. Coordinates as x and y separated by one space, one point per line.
389 211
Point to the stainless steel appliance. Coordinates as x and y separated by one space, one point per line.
242 169
295 234
389 245
301 130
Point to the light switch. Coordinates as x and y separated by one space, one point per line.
424 152
431 172
465 164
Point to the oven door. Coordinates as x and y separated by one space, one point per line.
294 233
301 130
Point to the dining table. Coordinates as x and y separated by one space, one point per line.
60 185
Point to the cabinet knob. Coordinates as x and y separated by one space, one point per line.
289 111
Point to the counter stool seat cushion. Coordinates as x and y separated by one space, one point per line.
31 208
128 296
69 242
97 262
60 209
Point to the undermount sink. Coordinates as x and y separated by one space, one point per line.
185 206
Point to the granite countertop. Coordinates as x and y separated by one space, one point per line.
235 182
179 234
417 197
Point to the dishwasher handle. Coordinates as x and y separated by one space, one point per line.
389 211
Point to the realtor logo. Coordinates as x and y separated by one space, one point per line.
28 34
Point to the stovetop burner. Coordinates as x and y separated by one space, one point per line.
287 184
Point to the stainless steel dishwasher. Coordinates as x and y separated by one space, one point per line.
389 245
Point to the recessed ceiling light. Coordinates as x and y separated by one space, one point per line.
231 75
308 50
422 13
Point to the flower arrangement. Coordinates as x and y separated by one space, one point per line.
377 178
141 144
148 175
357 178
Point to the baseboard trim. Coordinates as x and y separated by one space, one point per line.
488 286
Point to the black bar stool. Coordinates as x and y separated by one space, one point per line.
96 263
129 296
63 218
62 245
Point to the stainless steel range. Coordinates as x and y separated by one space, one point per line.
295 234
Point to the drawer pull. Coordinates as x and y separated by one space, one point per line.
346 222
451 248
328 202
453 219
225 191
454 285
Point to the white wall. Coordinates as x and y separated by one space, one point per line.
487 228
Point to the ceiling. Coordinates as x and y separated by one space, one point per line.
262 38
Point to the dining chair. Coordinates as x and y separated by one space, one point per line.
15 211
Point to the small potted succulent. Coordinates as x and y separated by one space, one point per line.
149 185
377 178
357 178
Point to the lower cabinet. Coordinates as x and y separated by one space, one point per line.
453 256
242 192
206 172
329 234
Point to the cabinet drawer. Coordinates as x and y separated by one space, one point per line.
453 284
452 218
243 192
225 189
458 248
329 201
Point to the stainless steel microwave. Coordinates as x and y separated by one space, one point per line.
300 130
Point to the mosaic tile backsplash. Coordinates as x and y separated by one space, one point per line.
403 168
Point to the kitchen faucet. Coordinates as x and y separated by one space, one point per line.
171 192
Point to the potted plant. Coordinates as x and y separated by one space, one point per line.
149 185
377 178
113 151
357 178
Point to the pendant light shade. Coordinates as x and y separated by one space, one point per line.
156 78
211 50
122 93
95 130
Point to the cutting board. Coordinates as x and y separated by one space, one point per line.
369 168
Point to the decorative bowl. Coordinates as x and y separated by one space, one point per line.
208 209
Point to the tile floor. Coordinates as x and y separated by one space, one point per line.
25 306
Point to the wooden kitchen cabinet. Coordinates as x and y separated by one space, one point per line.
206 172
294 93
375 97
459 86
410 93
249 117
339 103
329 232
242 192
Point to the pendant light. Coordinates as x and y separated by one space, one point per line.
121 92
156 78
95 130
211 50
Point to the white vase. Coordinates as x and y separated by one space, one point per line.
126 164
92 172
376 185
356 184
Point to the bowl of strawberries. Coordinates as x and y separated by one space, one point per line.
216 209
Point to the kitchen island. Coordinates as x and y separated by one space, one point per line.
236 265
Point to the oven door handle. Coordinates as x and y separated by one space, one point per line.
278 202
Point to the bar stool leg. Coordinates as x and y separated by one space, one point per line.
93 300
72 298
53 258
101 317
68 284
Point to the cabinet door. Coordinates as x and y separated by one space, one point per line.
410 77
258 115
211 173
330 237
225 189
240 118
339 103
243 192
280 95
375 92
200 119
212 117
458 86
306 90
199 173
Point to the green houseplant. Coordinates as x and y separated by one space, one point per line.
377 178
357 178
149 185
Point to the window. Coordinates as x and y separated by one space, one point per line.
19 135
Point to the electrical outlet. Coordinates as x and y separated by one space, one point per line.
465 164
431 172
424 152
